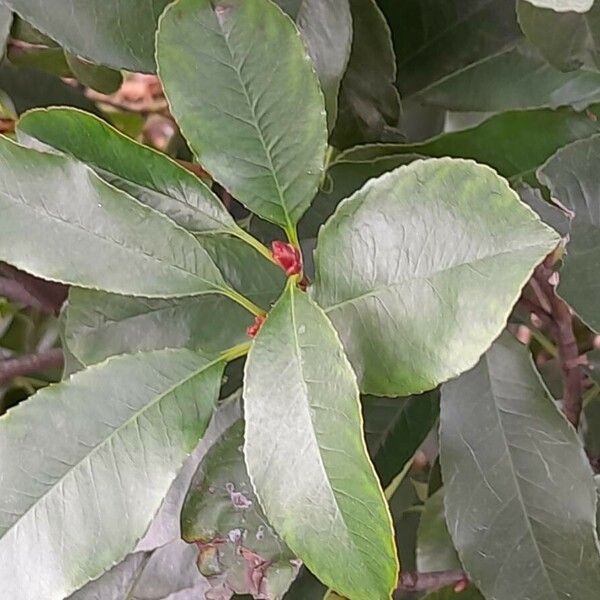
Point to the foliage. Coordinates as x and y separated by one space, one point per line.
323 286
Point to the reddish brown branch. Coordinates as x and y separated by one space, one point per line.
32 363
566 342
15 292
421 582
23 288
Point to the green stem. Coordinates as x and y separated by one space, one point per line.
256 244
243 301
591 394
236 352
292 235
391 489
544 342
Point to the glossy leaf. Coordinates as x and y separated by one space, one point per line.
514 143
259 128
91 459
101 325
471 593
222 515
116 33
519 78
169 573
30 88
303 438
435 550
439 274
6 20
71 217
571 176
510 463
369 104
395 428
116 583
580 6
326 27
151 177
435 39
97 77
344 177
548 211
568 40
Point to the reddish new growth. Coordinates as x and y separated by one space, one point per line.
461 586
287 257
255 327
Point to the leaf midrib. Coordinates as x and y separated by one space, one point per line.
104 441
297 347
107 173
427 276
513 473
241 81
136 251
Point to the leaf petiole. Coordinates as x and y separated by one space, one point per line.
236 352
243 301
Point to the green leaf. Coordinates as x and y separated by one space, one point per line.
91 459
117 33
395 428
168 573
244 269
50 60
259 127
580 6
434 39
26 32
571 176
303 438
548 211
568 40
517 79
369 104
593 366
343 178
419 295
222 515
97 77
100 325
151 177
6 20
519 492
116 583
306 586
326 27
435 550
514 143
30 88
64 223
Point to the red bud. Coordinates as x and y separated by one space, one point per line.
287 257
461 586
255 327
